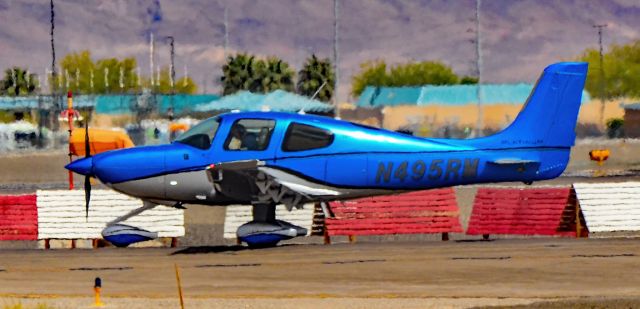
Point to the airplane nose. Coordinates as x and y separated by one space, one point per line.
82 166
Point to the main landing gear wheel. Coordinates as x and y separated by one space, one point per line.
265 231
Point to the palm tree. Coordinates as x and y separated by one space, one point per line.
277 75
238 73
314 74
17 82
245 72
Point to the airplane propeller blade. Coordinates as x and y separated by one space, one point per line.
87 179
87 146
87 195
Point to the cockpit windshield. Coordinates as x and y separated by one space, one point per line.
201 135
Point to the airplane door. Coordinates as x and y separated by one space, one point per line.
247 139
244 139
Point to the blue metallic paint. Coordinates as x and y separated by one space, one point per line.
124 240
264 239
542 134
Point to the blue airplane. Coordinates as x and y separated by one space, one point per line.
269 158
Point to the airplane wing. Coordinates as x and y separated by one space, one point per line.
239 179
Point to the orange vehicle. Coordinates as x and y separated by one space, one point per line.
100 140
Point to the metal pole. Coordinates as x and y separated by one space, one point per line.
41 113
336 17
53 49
70 120
186 75
151 68
14 82
479 123
173 67
602 81
121 79
27 79
226 30
106 80
318 91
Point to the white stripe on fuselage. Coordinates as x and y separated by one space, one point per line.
313 189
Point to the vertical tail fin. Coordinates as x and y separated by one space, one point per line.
548 118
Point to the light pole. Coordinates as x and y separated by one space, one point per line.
53 49
173 67
602 81
41 112
173 74
479 123
226 30
336 18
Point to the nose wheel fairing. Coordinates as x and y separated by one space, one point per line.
123 235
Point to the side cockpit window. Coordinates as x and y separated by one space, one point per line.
301 137
250 134
201 135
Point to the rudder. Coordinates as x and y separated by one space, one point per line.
548 118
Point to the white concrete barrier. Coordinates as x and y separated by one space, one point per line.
240 214
610 207
61 215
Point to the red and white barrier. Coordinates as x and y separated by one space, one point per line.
610 207
421 212
18 217
61 215
544 211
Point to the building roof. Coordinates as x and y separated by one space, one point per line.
633 106
110 104
277 101
448 95
180 103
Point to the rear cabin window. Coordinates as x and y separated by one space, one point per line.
305 137
250 134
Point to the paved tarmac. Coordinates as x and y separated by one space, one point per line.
466 273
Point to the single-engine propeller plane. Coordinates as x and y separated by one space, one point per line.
269 158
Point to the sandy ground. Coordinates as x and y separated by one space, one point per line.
269 303
372 275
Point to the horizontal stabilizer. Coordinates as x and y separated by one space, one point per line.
513 162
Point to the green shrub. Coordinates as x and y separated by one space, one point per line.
615 127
